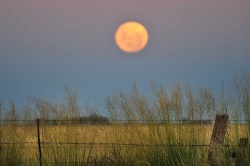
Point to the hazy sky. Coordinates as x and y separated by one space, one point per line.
47 43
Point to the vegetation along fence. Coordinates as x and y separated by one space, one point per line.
125 142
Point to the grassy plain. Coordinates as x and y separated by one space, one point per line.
114 144
162 128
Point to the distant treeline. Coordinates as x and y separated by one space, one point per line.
92 119
95 119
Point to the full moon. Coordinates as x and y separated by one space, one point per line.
131 37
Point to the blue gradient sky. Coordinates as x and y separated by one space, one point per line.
47 43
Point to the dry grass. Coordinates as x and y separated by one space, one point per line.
121 143
100 140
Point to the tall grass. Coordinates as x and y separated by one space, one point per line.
163 128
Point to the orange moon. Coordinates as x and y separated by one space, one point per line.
131 37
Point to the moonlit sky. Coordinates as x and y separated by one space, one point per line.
45 44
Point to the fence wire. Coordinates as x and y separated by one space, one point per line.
61 144
122 121
119 120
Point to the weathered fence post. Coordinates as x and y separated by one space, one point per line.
241 153
217 138
39 142
243 142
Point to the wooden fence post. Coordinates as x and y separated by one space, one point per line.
39 142
217 138
243 142
241 154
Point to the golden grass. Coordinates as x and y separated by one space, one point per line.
103 136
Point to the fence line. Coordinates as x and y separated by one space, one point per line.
39 142
108 144
42 144
101 144
119 120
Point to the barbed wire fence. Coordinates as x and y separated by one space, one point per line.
39 144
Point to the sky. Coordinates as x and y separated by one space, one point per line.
45 44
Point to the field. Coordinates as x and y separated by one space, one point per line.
115 144
170 126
